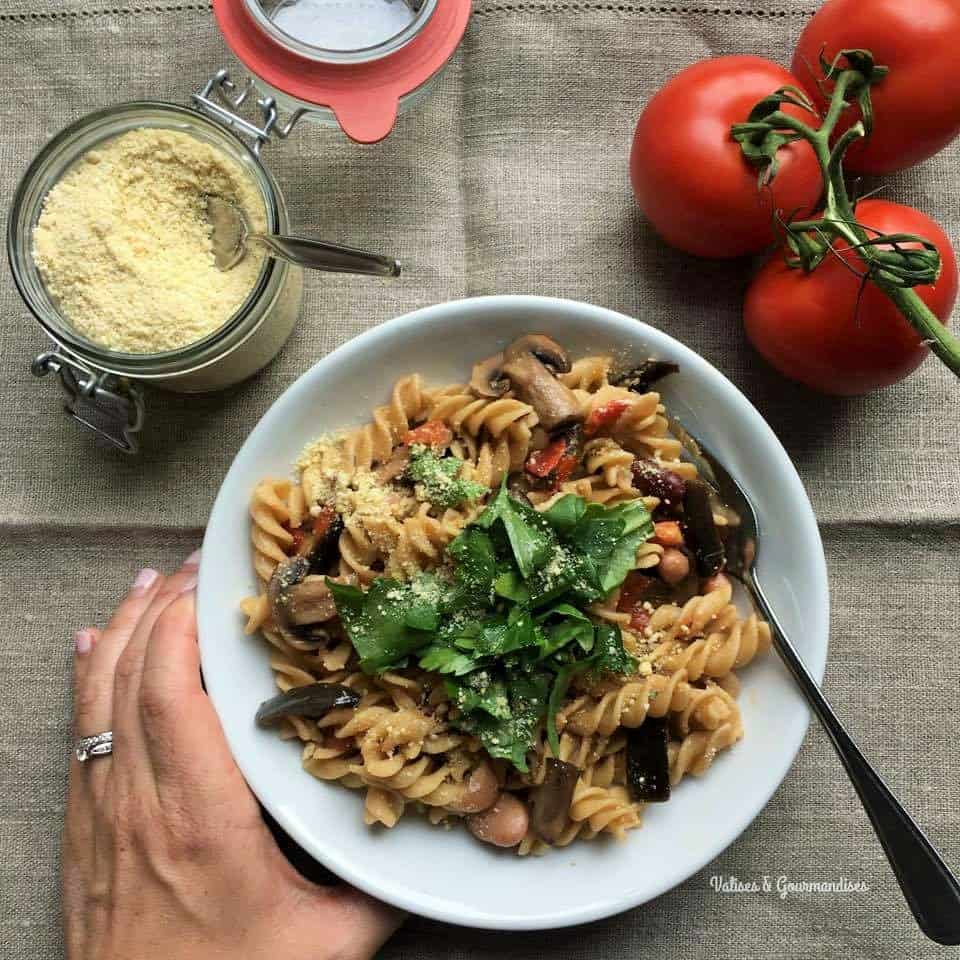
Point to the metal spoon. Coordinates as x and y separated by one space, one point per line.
931 890
230 233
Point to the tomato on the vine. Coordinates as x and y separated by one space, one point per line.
916 106
689 174
822 330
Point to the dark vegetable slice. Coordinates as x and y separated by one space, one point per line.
648 766
327 549
315 700
706 537
640 378
551 800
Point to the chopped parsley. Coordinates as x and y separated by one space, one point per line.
437 480
505 623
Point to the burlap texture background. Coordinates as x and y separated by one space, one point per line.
512 178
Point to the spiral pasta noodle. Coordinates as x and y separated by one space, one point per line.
276 507
465 413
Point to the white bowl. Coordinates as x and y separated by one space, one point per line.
446 874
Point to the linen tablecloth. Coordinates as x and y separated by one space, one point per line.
512 178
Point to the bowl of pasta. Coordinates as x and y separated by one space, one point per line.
466 617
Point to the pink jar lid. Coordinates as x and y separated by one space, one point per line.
364 96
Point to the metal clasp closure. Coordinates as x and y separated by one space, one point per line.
110 406
220 98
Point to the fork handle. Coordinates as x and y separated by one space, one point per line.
931 890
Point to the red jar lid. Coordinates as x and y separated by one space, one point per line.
364 96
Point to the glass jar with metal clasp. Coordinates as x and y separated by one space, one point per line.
352 63
356 63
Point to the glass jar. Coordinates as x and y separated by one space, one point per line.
352 63
101 384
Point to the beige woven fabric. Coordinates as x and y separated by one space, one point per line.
511 178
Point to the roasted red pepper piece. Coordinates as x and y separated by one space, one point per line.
298 538
603 416
565 468
541 463
323 521
433 433
633 595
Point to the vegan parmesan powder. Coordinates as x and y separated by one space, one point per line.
124 248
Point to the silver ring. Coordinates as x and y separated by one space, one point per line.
99 745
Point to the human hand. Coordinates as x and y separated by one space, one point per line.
165 854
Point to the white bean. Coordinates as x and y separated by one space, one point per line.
674 566
505 824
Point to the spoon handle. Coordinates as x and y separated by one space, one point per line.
931 890
329 257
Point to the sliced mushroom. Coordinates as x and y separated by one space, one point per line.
487 379
298 599
531 362
310 602
547 351
314 700
551 800
395 467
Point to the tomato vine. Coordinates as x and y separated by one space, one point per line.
895 263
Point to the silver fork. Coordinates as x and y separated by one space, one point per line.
931 890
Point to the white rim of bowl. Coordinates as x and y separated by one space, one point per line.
742 816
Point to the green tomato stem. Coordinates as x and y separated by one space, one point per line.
839 217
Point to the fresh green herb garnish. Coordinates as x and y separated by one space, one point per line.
505 623
438 478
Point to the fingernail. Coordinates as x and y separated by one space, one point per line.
83 641
193 560
146 578
189 583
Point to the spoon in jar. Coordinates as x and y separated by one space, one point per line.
230 234
930 889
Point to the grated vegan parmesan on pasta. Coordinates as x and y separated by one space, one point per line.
124 247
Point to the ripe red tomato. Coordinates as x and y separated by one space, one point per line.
689 174
809 326
917 105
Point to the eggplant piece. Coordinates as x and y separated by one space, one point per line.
699 515
642 377
648 764
315 700
551 800
326 549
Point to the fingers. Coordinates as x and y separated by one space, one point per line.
78 828
78 844
127 720
93 700
182 732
